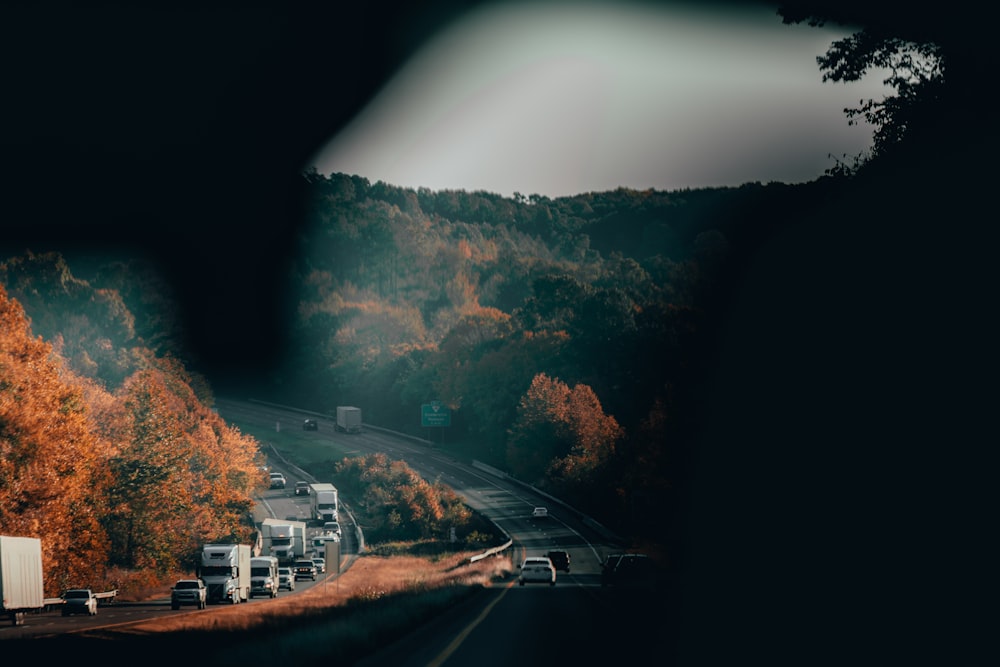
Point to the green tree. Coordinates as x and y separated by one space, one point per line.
151 489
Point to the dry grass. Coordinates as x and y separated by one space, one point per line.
371 605
369 579
374 603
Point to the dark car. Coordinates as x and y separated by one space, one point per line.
560 559
310 425
304 569
79 601
629 569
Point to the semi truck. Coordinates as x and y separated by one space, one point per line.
225 569
328 547
323 502
264 576
283 539
348 419
21 585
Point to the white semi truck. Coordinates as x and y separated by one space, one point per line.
323 502
21 585
225 569
264 576
283 539
348 419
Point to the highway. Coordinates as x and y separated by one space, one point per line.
575 620
282 502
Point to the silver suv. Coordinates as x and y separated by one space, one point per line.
188 591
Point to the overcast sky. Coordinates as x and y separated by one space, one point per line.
560 98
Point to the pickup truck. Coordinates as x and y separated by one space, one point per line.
188 591
304 569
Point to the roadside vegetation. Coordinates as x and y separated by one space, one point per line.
375 602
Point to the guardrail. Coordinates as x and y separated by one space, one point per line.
475 464
103 598
107 597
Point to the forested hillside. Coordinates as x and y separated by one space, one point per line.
107 442
562 334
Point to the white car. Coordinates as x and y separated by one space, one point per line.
320 564
277 480
538 569
286 579
332 527
540 513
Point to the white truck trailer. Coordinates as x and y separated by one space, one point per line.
264 576
21 585
328 547
225 569
323 502
348 419
283 539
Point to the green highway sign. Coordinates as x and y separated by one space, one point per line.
434 414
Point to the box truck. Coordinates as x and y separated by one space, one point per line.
283 539
348 419
323 502
225 569
328 547
21 586
264 576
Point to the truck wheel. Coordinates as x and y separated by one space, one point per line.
175 607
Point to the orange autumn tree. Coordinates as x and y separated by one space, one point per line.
52 481
400 504
182 477
560 435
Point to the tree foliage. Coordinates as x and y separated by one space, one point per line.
132 470
561 432
400 504
465 297
51 477
916 50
